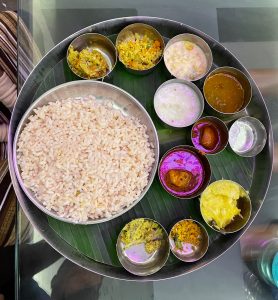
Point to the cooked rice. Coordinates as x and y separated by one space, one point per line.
84 159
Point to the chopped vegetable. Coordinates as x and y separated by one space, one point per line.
186 231
88 63
142 231
139 52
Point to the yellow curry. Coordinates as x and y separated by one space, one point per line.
219 202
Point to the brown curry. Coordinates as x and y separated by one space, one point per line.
224 93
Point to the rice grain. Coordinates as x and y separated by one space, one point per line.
84 159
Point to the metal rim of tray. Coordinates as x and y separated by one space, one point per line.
39 220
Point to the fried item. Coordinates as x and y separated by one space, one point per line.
180 178
209 137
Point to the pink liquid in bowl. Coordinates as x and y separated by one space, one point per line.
185 160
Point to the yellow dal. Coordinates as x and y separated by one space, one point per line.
219 202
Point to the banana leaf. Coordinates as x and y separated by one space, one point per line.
98 241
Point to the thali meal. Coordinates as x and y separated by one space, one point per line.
181 172
177 104
224 92
139 52
88 63
219 203
142 231
84 159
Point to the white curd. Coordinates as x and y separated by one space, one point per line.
177 104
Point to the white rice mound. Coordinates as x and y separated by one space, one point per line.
84 159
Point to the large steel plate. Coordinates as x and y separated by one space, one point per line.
254 174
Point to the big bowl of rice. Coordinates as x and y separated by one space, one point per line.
85 152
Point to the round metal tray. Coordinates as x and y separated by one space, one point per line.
35 86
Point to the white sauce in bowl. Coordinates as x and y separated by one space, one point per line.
177 105
185 60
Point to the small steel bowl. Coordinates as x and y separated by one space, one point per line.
189 252
171 164
260 136
222 133
188 37
137 261
98 42
246 85
244 204
142 29
189 84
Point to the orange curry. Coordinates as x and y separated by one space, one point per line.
180 179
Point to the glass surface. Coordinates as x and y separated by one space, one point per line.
250 31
